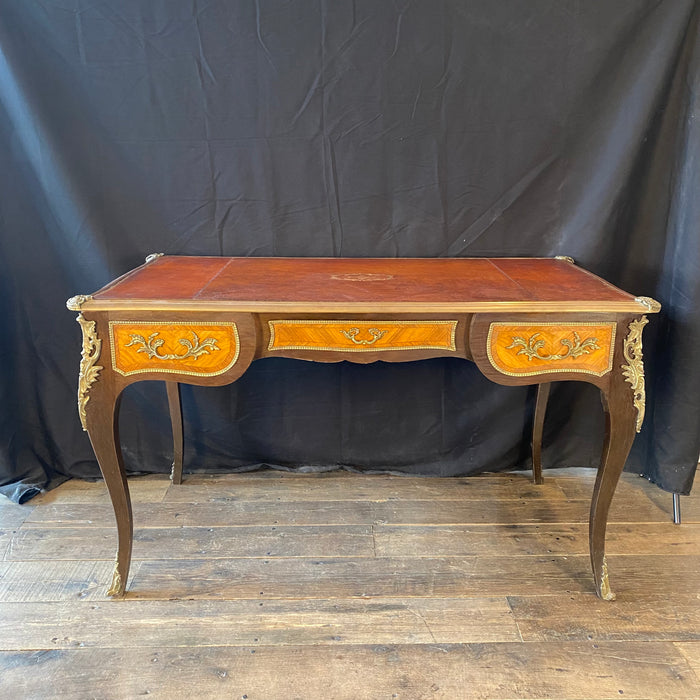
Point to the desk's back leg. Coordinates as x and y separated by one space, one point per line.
175 406
537 428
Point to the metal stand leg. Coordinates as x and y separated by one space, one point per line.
677 508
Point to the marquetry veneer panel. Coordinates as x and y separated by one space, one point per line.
361 336
521 349
193 349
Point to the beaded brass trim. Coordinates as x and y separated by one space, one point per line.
89 371
153 349
494 326
634 371
451 346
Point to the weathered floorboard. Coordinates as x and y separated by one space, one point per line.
13 515
198 623
524 540
405 512
186 542
274 585
407 576
52 580
497 671
343 486
580 617
150 488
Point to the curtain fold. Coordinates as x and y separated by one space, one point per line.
345 129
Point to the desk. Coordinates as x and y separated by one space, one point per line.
203 320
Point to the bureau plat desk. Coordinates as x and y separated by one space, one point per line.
203 320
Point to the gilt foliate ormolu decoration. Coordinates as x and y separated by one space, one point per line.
118 586
605 592
525 349
193 348
89 370
201 349
352 334
574 348
74 303
634 371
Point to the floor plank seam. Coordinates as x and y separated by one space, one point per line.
515 619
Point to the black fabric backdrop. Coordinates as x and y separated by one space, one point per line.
340 128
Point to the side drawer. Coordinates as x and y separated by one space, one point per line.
194 349
522 349
361 336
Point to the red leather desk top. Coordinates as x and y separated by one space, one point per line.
351 281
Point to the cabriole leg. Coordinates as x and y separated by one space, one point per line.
175 406
102 426
98 408
624 403
537 428
619 435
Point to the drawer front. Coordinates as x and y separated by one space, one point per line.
520 349
194 349
361 336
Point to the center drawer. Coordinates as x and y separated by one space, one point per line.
349 335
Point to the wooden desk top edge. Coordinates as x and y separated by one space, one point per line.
623 303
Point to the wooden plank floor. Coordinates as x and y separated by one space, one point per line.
275 585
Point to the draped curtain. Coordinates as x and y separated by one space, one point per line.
345 128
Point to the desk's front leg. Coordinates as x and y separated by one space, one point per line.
620 420
624 405
604 350
121 348
99 393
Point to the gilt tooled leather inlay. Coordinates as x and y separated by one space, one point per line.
362 277
193 349
361 336
520 349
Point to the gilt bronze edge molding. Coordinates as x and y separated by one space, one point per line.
651 305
